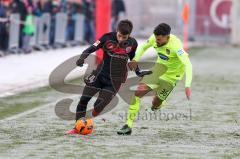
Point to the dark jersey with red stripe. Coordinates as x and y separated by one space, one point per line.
115 57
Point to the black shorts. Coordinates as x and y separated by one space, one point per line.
102 82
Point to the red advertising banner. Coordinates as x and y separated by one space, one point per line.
213 16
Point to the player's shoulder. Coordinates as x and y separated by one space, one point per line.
133 40
176 45
174 39
151 40
109 35
105 37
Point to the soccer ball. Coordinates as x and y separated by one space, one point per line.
84 126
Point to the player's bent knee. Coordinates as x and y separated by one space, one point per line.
142 90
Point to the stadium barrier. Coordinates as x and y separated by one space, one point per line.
14 33
43 30
60 30
41 38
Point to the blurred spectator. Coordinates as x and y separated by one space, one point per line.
28 3
52 7
38 8
18 6
89 26
47 6
72 9
64 5
3 26
118 7
29 8
28 30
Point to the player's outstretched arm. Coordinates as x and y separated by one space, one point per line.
133 65
142 48
188 79
183 56
94 47
85 54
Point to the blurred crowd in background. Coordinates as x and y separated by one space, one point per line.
38 21
27 9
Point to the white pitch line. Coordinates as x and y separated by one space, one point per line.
30 111
26 113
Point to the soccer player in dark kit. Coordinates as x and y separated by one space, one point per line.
106 80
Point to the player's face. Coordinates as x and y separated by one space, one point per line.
121 37
161 39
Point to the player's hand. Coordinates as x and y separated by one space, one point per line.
133 65
142 73
188 92
80 62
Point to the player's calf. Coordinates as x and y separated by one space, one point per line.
142 90
157 103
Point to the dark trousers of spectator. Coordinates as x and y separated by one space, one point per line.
89 33
52 31
70 31
3 37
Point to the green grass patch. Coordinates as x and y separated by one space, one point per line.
15 104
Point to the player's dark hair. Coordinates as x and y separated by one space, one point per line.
125 27
162 29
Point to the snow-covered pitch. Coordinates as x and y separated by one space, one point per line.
206 127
